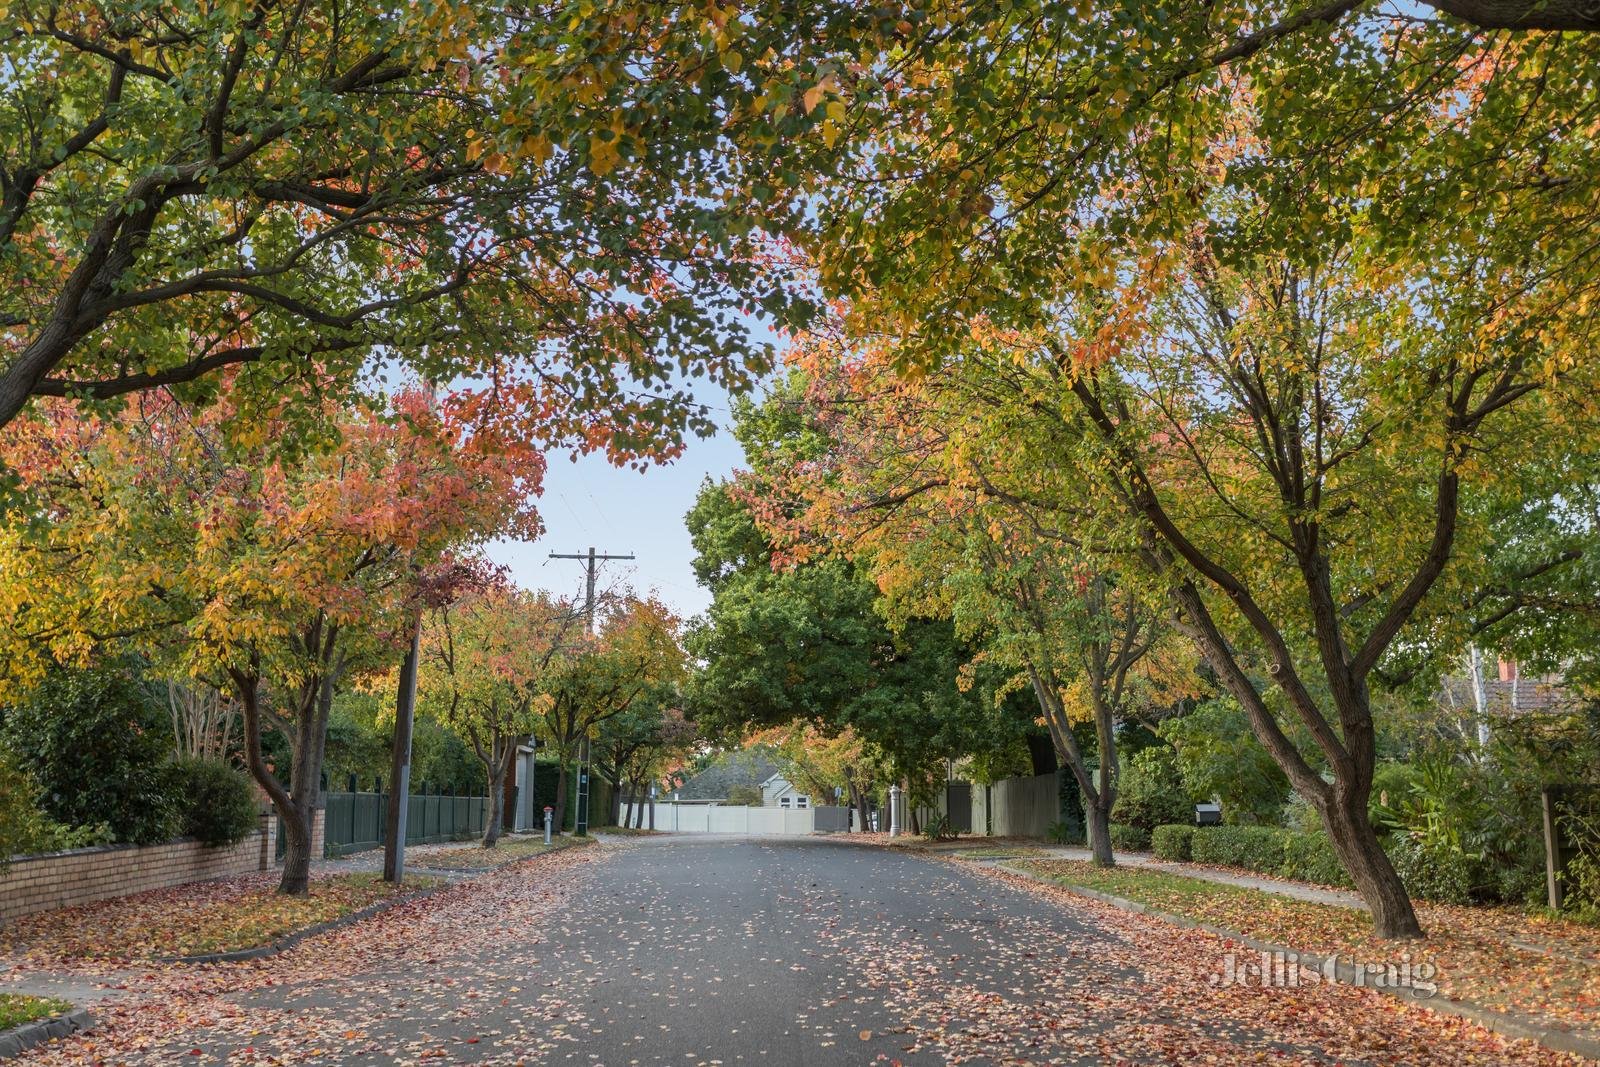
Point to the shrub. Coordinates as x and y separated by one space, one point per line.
1064 833
1218 756
1255 848
1173 842
1431 873
25 829
1298 815
1309 857
1125 838
1390 805
1151 793
98 741
219 802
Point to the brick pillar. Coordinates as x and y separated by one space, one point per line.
319 830
269 841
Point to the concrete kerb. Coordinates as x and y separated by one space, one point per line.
1499 1022
20 1039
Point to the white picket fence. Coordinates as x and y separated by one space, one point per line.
675 817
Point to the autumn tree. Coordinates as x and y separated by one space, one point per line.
636 748
488 658
924 489
278 575
1299 458
627 664
1177 230
527 195
820 763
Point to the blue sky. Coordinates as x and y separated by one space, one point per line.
589 502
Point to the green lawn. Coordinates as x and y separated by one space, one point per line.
998 852
19 1008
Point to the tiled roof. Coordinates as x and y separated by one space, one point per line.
749 767
1509 696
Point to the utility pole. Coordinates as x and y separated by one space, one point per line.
591 561
405 709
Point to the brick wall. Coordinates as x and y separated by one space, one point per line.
62 879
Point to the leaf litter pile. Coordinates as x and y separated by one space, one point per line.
191 920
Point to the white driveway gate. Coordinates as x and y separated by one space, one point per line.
677 817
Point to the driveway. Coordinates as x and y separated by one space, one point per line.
802 952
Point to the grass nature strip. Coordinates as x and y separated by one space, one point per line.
199 918
1498 958
477 858
18 1009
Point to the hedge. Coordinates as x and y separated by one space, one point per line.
1126 838
1172 842
1255 848
1307 857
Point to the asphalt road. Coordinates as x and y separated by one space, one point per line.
799 952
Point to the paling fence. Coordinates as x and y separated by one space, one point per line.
1018 807
355 821
953 801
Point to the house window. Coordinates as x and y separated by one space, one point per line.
783 802
801 802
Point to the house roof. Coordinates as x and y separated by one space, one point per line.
750 767
1509 696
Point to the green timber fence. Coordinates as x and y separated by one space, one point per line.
356 821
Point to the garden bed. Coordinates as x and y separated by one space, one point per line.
201 919
1496 958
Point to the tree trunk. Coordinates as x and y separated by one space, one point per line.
305 785
297 832
493 823
1097 801
1356 842
1098 816
297 805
